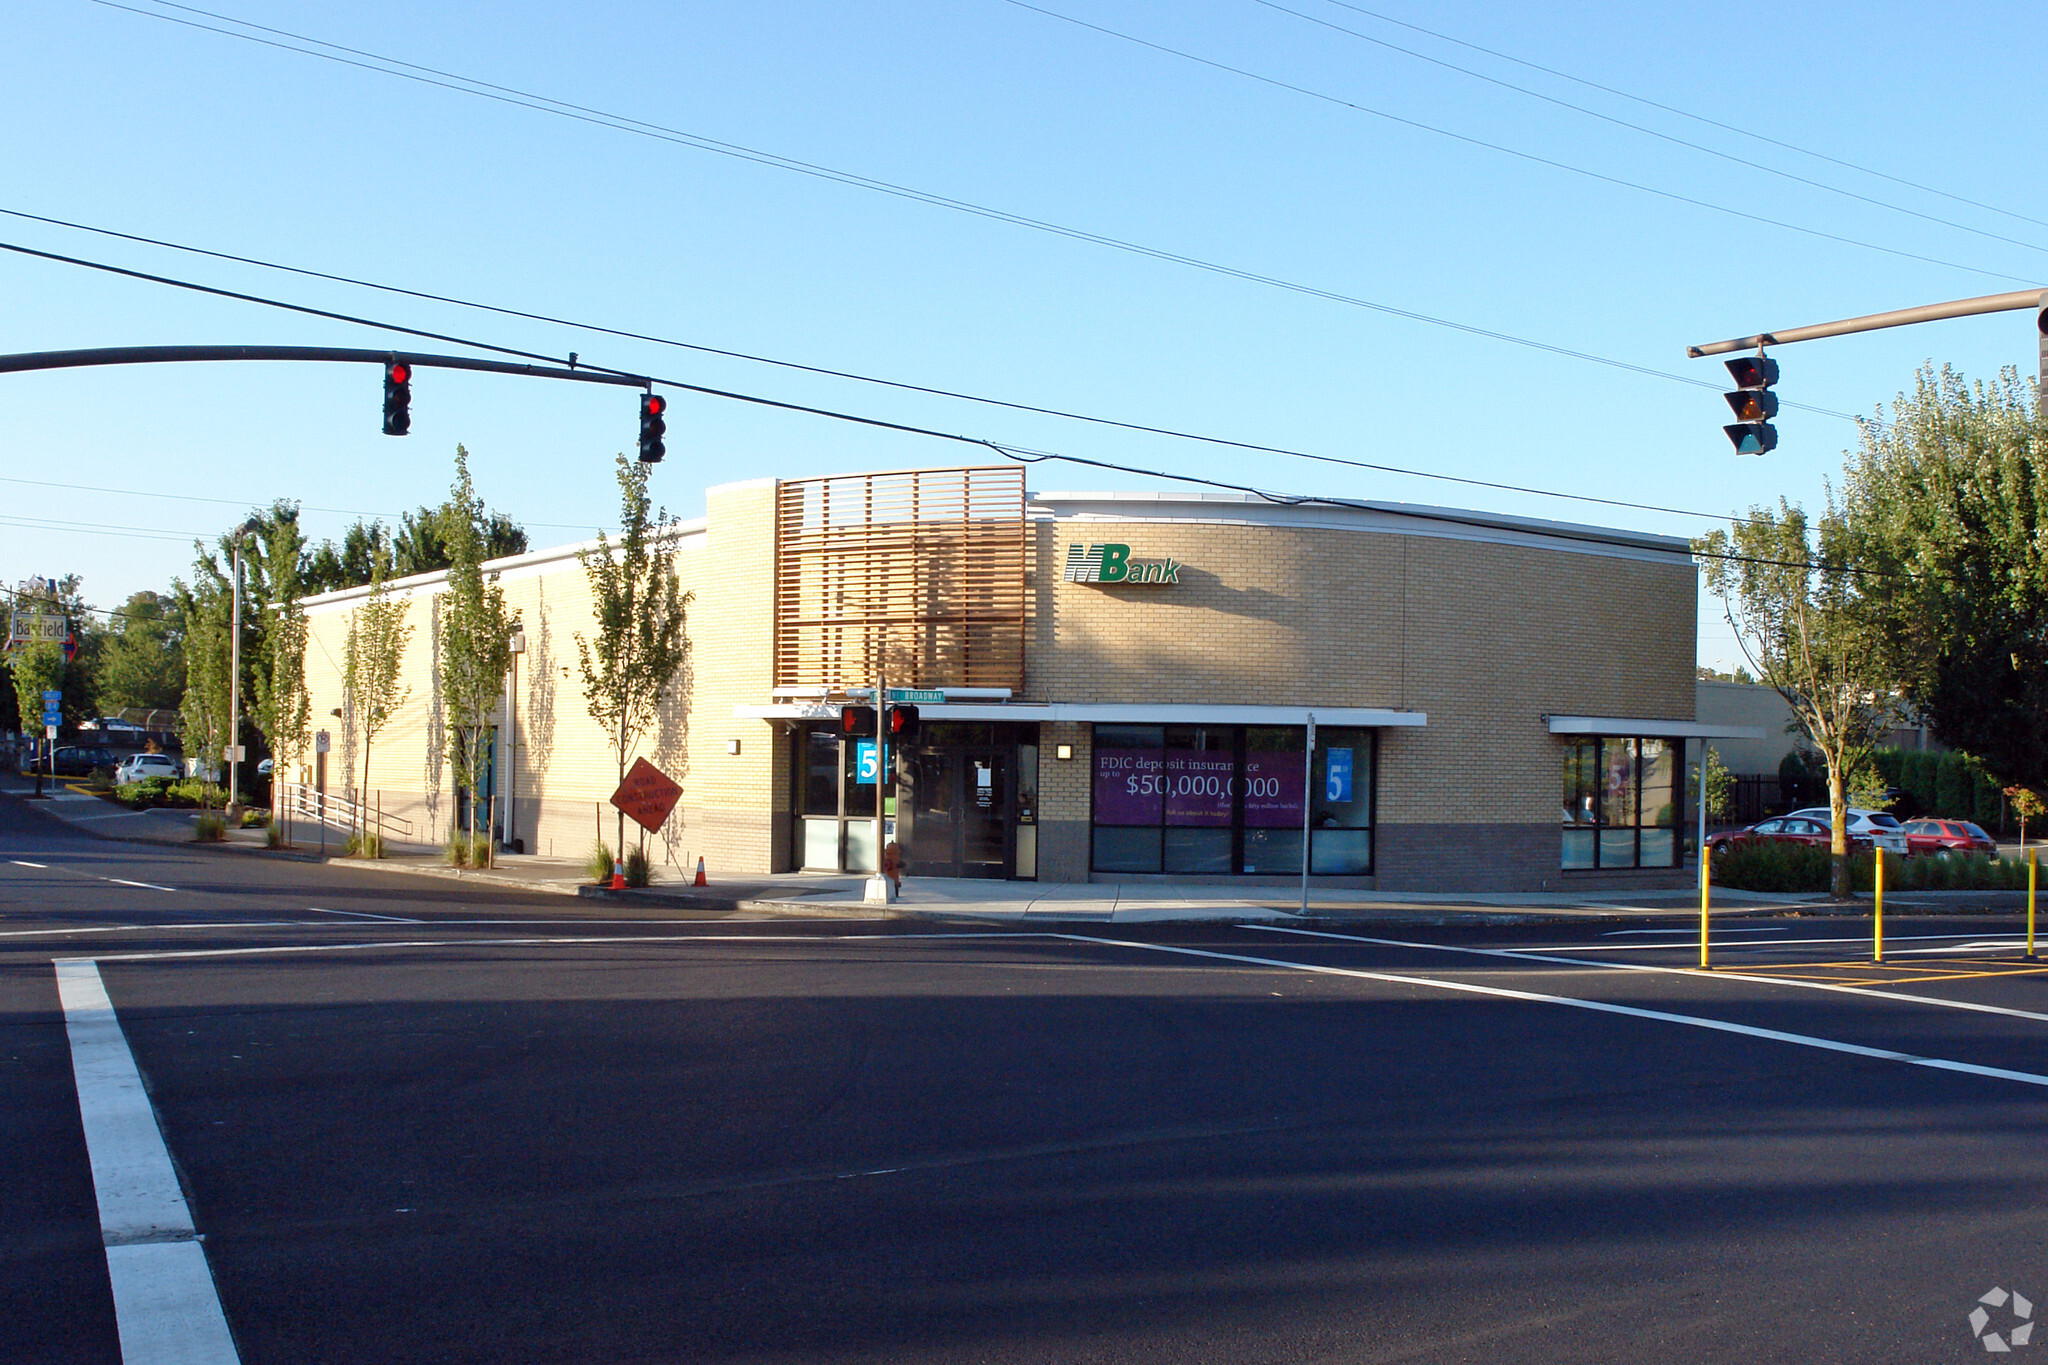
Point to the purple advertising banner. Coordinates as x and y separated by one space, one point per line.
1129 786
1199 786
1272 788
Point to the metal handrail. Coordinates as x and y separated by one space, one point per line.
301 802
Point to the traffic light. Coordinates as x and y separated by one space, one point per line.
857 722
652 406
903 725
1754 405
397 398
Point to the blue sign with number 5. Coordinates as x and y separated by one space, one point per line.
865 763
1337 776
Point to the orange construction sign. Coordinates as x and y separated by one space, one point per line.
647 795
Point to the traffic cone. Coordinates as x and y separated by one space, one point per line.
618 875
700 873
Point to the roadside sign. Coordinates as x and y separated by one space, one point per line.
647 795
865 764
915 695
49 732
49 697
234 753
322 742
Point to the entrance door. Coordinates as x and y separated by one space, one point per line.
961 812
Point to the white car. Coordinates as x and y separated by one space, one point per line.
138 767
1882 828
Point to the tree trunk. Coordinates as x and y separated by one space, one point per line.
1838 818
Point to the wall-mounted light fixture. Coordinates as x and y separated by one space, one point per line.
732 746
1063 751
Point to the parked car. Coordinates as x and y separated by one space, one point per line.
1784 829
1941 838
141 767
1877 827
78 760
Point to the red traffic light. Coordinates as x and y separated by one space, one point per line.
857 721
398 372
654 405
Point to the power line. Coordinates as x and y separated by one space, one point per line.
1687 114
1008 451
621 123
757 359
1647 131
1341 102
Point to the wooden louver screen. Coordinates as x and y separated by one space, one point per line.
918 575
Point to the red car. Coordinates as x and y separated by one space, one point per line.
1943 837
1788 829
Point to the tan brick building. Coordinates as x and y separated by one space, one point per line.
1112 686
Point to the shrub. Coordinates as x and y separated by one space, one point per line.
639 871
366 843
1763 865
255 819
463 851
209 829
598 864
273 836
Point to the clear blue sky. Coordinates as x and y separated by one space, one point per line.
121 119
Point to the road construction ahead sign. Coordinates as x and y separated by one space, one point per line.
647 795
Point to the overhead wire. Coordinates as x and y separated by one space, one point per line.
1701 147
621 123
1537 159
835 414
1683 113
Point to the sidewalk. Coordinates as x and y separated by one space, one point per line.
818 895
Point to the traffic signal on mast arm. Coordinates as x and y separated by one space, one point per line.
857 722
1754 405
652 428
902 724
397 397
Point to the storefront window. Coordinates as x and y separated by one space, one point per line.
1204 800
1619 805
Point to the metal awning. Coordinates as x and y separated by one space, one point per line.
1655 728
1113 713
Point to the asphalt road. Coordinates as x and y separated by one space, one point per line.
417 1121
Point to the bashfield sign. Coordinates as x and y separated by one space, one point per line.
1112 563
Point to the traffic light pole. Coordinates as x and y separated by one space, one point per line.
158 355
2035 299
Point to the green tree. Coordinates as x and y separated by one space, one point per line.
1790 595
370 675
1945 500
476 635
419 545
203 610
1720 782
279 703
642 618
142 664
352 563
36 668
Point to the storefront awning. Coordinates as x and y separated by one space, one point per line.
1114 713
1660 729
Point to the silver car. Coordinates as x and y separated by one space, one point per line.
139 767
1880 827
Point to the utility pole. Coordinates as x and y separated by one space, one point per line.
234 745
2036 299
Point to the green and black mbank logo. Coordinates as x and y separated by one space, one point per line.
1112 563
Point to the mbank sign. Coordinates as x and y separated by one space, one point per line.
1113 564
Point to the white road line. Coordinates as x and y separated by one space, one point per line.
1772 946
165 1304
1969 1006
151 928
591 940
1766 929
146 886
19 863
364 914
1597 1006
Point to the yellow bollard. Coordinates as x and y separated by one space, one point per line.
2034 870
1877 914
1706 896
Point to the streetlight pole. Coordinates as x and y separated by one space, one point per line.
234 745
